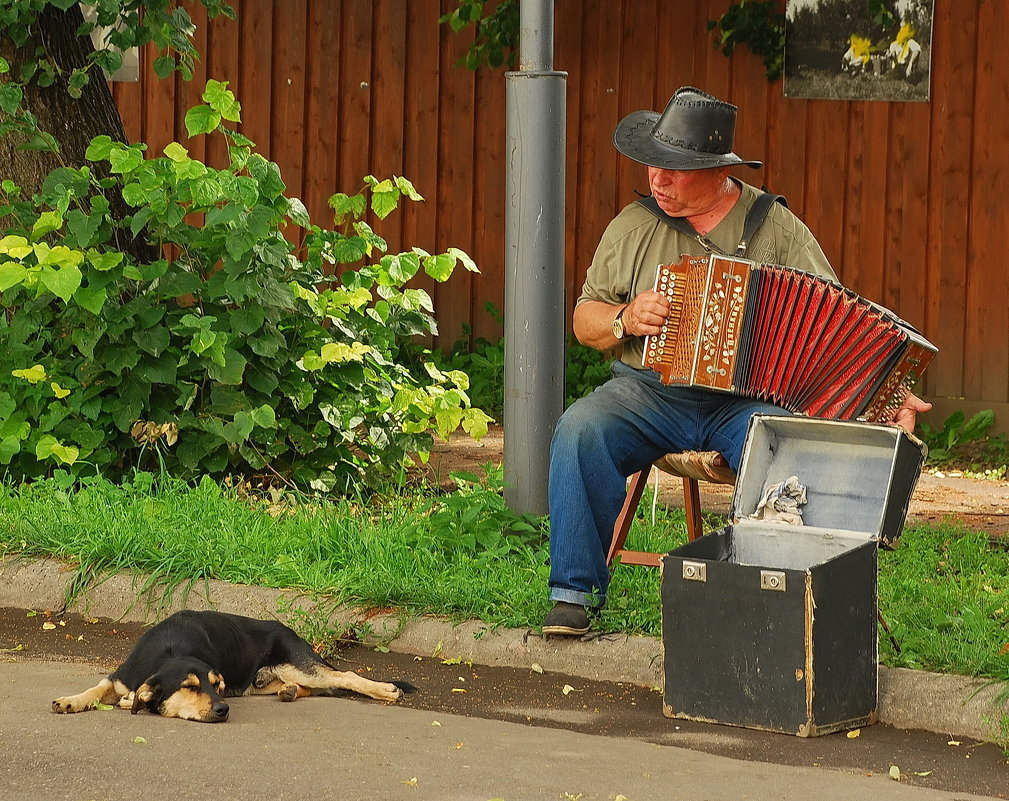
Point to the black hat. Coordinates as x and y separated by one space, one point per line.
695 132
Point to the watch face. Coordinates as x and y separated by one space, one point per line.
618 328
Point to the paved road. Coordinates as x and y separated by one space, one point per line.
355 750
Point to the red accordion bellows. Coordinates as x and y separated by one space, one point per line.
785 336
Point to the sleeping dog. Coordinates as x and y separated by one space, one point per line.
188 663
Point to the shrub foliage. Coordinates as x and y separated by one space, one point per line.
257 342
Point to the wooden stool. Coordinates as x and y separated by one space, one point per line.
691 466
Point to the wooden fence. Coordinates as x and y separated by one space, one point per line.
908 200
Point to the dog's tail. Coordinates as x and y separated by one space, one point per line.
405 686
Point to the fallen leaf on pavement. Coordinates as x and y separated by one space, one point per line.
854 733
48 626
458 690
923 773
953 742
435 723
536 668
412 782
567 689
140 740
895 773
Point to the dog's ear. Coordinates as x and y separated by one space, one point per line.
144 694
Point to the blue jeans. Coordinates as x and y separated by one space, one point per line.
617 430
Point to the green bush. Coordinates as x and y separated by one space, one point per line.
237 349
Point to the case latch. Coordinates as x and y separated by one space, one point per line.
772 580
695 571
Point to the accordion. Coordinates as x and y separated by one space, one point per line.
785 336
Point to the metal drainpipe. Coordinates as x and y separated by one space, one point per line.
534 260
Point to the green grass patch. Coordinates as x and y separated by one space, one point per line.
462 555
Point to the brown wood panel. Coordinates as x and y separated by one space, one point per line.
322 72
287 94
862 259
567 57
987 354
189 93
255 20
222 58
823 210
636 85
420 115
906 289
948 255
387 129
489 205
597 199
355 95
157 125
454 142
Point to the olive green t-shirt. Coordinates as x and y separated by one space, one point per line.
636 242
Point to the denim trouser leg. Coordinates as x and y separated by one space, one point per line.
620 428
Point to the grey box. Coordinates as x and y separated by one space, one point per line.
773 626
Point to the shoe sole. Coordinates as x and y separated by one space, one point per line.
566 631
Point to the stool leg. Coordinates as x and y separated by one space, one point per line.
692 508
626 516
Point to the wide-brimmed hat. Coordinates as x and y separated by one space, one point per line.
695 132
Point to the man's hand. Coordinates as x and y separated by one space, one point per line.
645 314
907 415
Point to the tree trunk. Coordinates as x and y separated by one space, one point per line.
73 123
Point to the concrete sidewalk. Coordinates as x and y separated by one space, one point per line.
908 699
339 748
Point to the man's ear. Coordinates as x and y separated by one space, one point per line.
145 692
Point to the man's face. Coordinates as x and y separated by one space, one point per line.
685 193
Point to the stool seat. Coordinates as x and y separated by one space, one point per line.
691 466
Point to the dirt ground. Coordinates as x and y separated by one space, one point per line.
551 700
977 504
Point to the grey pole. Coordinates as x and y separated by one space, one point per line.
534 260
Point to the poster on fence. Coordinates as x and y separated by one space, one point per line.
858 49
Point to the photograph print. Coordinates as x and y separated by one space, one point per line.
858 49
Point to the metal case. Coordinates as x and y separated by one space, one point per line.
773 626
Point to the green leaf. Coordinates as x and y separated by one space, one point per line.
99 149
176 152
9 448
11 274
47 222
384 201
92 299
163 66
124 159
439 267
10 97
202 120
63 282
231 371
222 100
264 417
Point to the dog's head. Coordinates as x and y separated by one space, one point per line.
184 688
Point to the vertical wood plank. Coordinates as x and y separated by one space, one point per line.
255 18
355 94
322 73
489 204
287 89
223 64
420 115
954 34
986 365
387 118
568 57
454 143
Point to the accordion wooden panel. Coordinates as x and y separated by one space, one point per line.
785 336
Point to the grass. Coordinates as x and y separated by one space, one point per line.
943 592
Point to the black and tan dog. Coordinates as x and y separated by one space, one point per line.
188 663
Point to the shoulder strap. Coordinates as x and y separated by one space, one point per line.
678 223
754 218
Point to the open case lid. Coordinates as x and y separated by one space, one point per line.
859 477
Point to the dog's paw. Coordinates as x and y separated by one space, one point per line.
67 705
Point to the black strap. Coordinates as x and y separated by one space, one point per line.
754 219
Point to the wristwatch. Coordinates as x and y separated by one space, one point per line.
618 324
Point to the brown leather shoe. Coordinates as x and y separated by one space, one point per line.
566 620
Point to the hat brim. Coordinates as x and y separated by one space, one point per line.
633 137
